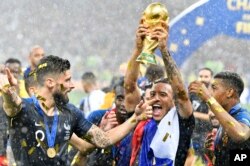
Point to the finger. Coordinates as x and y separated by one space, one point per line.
141 21
140 104
151 102
114 123
106 115
10 77
159 29
110 116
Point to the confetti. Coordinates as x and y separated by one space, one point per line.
133 120
231 123
31 150
242 134
47 108
62 87
41 98
24 143
165 137
219 110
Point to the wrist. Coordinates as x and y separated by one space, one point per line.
133 119
210 101
137 51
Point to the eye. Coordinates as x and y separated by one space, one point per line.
152 94
163 94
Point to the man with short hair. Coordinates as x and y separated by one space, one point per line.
160 140
95 97
35 55
224 102
41 126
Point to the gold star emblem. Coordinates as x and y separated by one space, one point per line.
199 21
173 47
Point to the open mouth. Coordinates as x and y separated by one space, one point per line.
157 109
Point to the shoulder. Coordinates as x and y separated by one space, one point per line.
243 116
96 116
97 93
26 72
187 122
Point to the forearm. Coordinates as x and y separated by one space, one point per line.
104 139
201 116
11 102
132 72
83 146
235 130
177 84
132 93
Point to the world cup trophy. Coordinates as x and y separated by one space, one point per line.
152 17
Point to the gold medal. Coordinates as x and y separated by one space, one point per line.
51 152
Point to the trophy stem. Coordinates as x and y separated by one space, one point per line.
146 58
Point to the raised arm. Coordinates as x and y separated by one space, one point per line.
132 93
236 130
181 96
11 100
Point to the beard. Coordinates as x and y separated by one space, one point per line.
60 99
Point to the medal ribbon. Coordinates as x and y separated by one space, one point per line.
51 136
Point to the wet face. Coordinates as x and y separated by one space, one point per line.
163 94
121 112
205 76
15 69
36 55
219 91
63 86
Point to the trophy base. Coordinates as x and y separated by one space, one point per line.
146 58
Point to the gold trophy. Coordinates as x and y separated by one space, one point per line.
152 16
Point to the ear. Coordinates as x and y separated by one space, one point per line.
230 93
50 82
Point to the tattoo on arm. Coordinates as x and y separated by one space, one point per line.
12 101
174 76
98 137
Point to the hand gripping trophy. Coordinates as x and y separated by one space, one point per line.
152 17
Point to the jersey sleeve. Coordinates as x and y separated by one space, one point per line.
81 125
243 116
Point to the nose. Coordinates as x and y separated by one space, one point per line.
156 97
72 86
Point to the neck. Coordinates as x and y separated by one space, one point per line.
46 102
232 102
32 67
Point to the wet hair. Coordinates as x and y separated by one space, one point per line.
89 77
12 60
208 69
162 80
232 80
154 72
51 65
